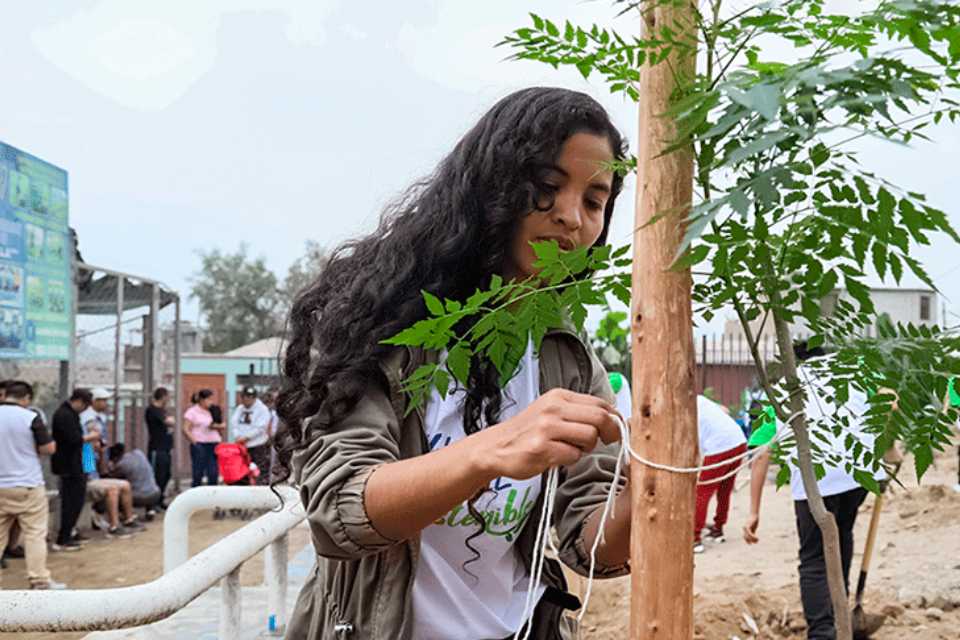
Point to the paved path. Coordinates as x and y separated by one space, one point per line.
199 619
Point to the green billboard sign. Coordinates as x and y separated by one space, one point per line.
36 294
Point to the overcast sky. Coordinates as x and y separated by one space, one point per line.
190 125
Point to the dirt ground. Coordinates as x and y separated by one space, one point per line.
751 592
102 563
741 592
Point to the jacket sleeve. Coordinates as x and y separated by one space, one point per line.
333 470
584 488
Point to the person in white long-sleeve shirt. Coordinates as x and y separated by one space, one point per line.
250 426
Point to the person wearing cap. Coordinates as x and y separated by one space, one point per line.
108 495
250 426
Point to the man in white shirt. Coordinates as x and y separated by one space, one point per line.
841 493
23 497
250 426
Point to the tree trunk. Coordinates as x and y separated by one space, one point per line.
824 519
664 422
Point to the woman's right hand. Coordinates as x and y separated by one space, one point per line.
557 429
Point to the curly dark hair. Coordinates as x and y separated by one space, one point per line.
447 234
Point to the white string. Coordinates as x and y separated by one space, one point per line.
539 553
544 539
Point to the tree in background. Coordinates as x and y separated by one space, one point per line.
239 298
301 273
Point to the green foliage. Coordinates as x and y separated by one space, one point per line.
501 321
611 341
786 212
302 273
238 297
241 299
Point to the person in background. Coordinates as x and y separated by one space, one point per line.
108 495
23 496
133 467
721 440
250 426
203 434
67 464
842 494
160 427
14 549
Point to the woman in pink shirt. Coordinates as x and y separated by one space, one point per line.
204 435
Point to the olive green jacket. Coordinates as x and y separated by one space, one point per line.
362 583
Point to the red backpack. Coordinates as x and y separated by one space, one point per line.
233 461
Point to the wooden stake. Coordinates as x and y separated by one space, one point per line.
664 423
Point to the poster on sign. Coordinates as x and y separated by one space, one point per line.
36 297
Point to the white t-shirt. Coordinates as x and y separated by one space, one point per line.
836 479
717 431
21 432
485 599
251 423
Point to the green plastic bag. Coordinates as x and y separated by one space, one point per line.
767 429
616 381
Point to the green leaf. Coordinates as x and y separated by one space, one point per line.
896 267
783 476
819 154
922 458
880 259
755 147
694 256
739 202
458 361
762 98
867 481
433 303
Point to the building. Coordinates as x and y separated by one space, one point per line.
226 374
902 306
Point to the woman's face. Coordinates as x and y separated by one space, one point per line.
205 402
578 186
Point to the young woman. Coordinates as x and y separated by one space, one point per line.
425 521
203 433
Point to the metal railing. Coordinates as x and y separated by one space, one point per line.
184 578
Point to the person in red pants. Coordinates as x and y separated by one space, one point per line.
721 441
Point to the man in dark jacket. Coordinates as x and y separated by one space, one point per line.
67 463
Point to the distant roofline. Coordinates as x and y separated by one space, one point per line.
224 356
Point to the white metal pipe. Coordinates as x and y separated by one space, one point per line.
176 522
230 609
275 576
97 609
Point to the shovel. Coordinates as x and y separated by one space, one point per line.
865 624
